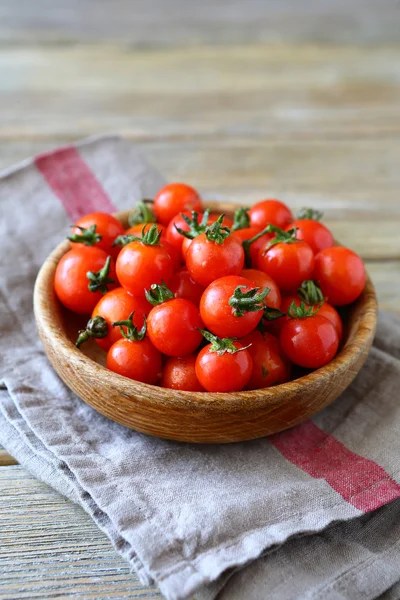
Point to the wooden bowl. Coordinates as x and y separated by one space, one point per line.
194 416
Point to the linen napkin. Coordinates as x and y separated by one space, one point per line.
317 505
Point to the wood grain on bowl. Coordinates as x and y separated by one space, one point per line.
187 416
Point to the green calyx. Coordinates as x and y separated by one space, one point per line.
196 227
241 219
281 236
216 232
310 292
310 213
157 294
221 345
151 237
142 213
131 332
270 314
98 281
123 240
250 301
88 236
302 312
95 328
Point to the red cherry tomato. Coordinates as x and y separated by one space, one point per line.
72 284
180 374
175 198
326 310
262 280
341 274
107 226
117 305
227 372
173 236
207 260
173 327
287 263
270 367
270 212
309 342
138 229
219 316
183 286
314 233
140 265
137 360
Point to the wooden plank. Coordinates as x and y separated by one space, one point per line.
6 459
275 91
220 21
50 548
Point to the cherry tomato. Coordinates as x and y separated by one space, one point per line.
227 372
225 309
326 310
208 260
341 274
187 241
140 264
262 280
117 305
137 360
138 229
287 263
71 282
107 226
173 327
309 342
270 367
183 286
173 236
180 374
270 212
185 247
314 233
173 199
175 255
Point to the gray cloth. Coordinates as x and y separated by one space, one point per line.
317 503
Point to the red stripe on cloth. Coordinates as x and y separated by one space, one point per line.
360 481
73 183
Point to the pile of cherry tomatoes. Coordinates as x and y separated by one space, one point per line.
192 300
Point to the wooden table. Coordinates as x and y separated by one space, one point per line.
242 99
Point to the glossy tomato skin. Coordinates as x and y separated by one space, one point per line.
207 260
262 280
314 233
175 198
310 342
139 266
289 264
173 327
218 316
184 286
106 225
270 367
71 283
224 372
270 212
117 305
138 360
340 272
180 374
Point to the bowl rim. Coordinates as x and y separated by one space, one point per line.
47 320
